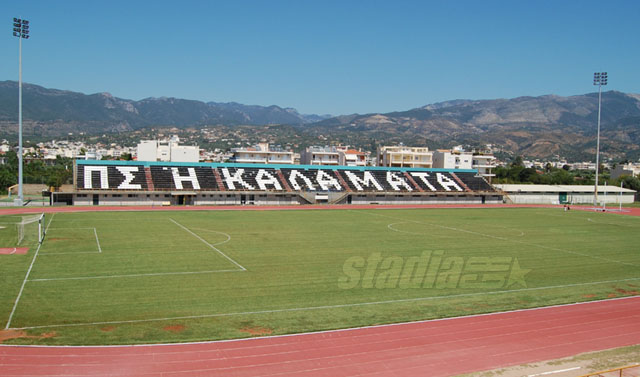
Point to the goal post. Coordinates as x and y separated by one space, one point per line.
22 230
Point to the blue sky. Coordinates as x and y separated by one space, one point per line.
336 57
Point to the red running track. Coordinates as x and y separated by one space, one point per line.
19 210
429 348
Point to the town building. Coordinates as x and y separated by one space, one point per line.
631 169
484 163
455 158
315 155
352 157
167 151
403 156
262 154
564 194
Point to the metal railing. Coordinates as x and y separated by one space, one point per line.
628 371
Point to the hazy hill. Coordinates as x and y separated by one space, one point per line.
53 111
533 126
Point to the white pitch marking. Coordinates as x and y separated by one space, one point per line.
505 239
134 275
331 331
26 277
215 231
208 244
553 372
78 252
391 227
417 299
46 253
97 240
601 222
70 228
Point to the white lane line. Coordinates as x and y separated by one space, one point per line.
134 275
26 277
324 307
13 251
208 244
332 331
554 372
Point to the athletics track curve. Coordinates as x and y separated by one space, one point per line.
426 348
429 348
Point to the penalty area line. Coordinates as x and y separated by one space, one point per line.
135 275
97 240
26 277
339 306
208 244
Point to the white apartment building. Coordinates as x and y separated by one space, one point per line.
484 163
452 159
315 155
352 157
340 155
262 154
169 151
402 156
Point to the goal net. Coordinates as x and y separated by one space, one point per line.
21 230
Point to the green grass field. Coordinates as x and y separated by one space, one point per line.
145 277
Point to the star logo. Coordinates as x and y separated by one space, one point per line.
516 276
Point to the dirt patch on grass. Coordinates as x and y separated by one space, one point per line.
257 331
21 334
174 328
108 328
625 292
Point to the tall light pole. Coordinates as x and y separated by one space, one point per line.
20 30
599 79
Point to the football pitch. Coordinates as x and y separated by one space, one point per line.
173 276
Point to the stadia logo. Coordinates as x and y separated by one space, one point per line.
432 270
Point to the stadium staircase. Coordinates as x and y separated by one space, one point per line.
413 182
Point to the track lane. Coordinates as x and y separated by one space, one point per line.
434 348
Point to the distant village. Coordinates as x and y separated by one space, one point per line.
169 149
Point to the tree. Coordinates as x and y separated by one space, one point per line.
517 161
7 178
58 176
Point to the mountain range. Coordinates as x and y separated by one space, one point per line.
533 126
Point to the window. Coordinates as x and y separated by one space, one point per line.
116 195
132 196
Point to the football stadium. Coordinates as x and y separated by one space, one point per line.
166 183
81 276
320 189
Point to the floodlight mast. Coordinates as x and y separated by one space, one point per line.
599 79
20 30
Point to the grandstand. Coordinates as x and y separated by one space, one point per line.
165 183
